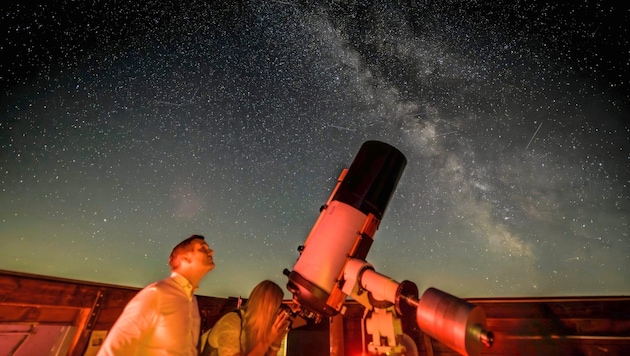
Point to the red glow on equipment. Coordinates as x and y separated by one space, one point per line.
332 265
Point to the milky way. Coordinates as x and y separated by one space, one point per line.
127 127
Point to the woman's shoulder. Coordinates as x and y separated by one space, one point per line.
230 319
225 334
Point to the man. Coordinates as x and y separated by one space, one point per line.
163 318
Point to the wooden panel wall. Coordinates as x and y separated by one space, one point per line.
527 326
88 306
560 326
27 298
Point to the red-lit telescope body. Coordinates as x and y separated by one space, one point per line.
455 322
345 228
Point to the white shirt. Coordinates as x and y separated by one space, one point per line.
162 319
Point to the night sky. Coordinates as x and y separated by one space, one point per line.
128 126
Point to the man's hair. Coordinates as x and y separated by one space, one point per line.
181 248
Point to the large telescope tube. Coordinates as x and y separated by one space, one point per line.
345 228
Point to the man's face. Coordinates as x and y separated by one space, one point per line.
201 255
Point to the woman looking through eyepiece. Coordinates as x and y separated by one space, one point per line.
256 329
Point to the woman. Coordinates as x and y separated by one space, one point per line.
257 329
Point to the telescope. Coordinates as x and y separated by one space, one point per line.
332 265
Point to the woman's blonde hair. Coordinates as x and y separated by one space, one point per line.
261 310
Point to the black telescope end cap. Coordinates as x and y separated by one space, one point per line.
410 291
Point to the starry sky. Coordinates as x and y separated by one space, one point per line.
128 126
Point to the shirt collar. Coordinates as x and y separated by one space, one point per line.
184 283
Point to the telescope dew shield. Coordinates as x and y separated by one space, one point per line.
372 178
345 227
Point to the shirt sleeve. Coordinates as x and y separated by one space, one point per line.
132 325
226 335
